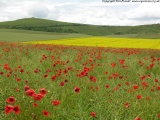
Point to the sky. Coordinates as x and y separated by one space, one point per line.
83 11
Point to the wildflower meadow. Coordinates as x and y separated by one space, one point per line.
57 82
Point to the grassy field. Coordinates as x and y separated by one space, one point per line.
12 35
106 42
54 82
36 24
70 76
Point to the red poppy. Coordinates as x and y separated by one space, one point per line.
6 67
65 80
45 75
159 115
43 91
135 87
36 71
107 85
139 96
21 71
54 77
38 96
92 78
113 65
144 84
8 75
30 92
26 88
45 113
1 73
56 102
77 89
35 104
61 83
26 81
126 105
93 114
122 61
49 70
115 88
11 100
106 72
156 80
18 79
143 77
152 65
138 118
16 109
8 109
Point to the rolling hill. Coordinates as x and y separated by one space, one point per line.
37 24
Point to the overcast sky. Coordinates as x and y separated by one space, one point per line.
82 11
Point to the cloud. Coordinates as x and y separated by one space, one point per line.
2 4
82 11
36 9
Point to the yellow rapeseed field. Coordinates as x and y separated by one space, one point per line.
106 42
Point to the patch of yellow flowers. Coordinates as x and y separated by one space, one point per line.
105 42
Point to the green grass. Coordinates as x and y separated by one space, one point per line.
36 24
107 103
12 35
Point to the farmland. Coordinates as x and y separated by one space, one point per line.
44 25
12 35
105 42
77 82
51 70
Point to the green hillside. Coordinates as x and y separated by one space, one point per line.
12 35
36 24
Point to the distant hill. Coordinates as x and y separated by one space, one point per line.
36 24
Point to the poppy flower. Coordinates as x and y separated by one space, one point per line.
65 80
45 75
45 113
18 79
36 71
122 62
107 85
139 96
93 114
53 77
8 75
144 84
138 118
92 78
135 87
8 109
126 105
156 80
77 89
21 71
30 92
113 65
26 81
61 83
26 88
56 102
35 104
11 100
43 91
1 73
38 97
16 109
